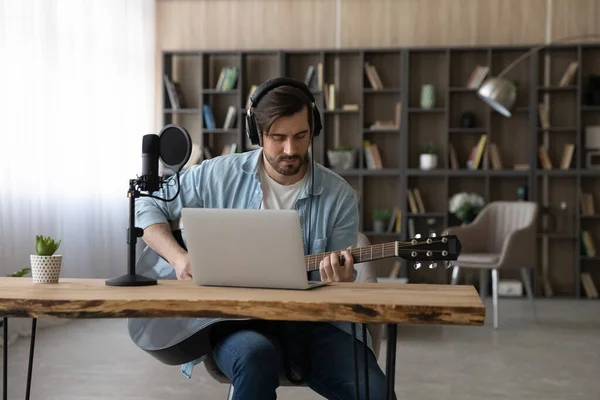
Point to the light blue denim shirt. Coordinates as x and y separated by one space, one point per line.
233 181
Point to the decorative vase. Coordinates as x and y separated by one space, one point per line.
427 96
428 161
341 159
45 269
378 226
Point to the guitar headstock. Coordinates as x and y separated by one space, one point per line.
430 250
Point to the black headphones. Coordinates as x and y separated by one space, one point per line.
251 128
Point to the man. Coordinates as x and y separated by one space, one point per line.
279 175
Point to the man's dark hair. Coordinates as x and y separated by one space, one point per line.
282 101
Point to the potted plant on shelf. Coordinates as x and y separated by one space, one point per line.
381 216
466 206
341 157
45 265
428 158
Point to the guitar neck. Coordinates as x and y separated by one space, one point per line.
359 254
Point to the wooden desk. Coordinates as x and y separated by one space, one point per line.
386 303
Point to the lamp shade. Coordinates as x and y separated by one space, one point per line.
500 94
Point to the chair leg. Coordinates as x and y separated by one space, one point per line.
527 282
495 295
230 393
455 271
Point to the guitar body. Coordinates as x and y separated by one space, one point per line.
173 341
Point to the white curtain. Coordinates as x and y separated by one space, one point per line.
77 95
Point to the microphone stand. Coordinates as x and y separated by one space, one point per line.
133 232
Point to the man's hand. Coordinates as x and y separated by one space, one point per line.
182 267
331 271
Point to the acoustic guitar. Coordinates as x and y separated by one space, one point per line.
176 341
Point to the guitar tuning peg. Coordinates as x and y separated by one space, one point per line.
448 264
418 236
433 235
417 265
433 265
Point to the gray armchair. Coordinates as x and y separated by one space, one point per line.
503 236
365 273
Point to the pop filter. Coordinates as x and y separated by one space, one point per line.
174 147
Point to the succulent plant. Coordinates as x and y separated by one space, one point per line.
381 214
45 245
428 148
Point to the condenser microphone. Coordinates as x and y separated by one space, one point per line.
149 180
173 146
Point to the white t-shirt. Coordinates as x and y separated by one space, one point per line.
277 196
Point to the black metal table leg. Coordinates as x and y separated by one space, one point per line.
365 360
30 367
355 351
390 360
5 360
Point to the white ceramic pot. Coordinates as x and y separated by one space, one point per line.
45 269
428 161
378 226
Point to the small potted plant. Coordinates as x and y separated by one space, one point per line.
45 265
428 159
341 157
381 216
466 206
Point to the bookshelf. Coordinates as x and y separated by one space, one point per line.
387 110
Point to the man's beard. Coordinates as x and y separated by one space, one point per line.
287 169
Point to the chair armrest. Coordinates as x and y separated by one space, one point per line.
472 237
519 249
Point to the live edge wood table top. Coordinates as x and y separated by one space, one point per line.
350 302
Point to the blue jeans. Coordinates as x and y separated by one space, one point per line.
254 355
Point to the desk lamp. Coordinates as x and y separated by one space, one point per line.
500 93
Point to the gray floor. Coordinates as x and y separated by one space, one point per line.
556 358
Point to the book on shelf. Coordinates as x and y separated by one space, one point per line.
477 76
419 200
231 117
588 285
395 222
495 157
477 152
174 93
310 71
209 117
569 73
544 158
329 94
350 107
309 77
412 202
453 157
229 149
544 115
567 156
227 78
373 158
587 204
373 76
588 244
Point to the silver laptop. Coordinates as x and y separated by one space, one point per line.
246 248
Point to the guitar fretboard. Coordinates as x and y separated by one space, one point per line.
359 254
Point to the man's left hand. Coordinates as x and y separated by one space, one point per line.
331 270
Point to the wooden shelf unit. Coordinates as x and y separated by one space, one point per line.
403 72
